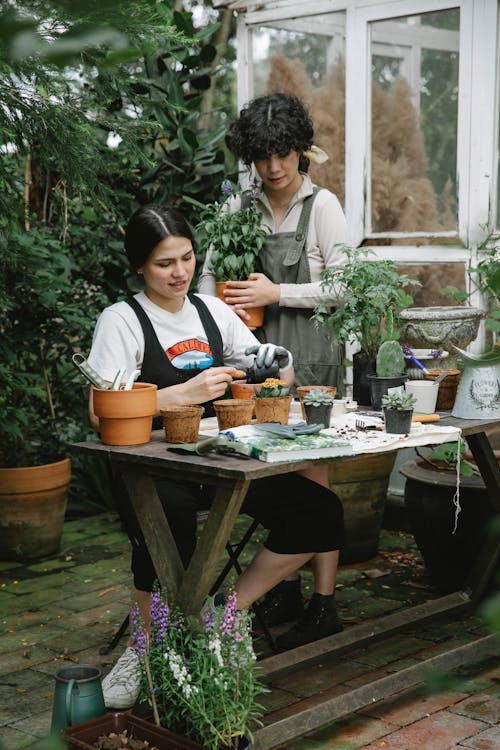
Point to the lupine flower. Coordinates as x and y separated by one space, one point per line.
227 187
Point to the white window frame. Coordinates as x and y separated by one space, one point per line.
477 122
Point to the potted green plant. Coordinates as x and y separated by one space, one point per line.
371 288
233 240
41 398
272 401
318 407
389 367
398 410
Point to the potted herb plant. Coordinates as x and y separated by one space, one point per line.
398 410
372 290
318 405
233 240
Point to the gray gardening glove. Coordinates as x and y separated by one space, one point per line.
266 354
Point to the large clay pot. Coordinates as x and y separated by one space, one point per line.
448 554
274 409
256 313
361 483
232 412
32 507
125 417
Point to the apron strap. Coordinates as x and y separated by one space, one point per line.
211 329
295 251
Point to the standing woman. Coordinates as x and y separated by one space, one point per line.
274 135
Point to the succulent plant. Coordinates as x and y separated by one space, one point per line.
399 400
272 388
318 397
390 355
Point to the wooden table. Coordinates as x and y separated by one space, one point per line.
232 476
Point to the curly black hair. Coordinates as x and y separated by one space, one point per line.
272 124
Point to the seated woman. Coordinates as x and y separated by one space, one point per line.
189 345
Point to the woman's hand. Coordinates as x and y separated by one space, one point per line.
255 291
208 385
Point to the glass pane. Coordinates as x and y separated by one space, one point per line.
305 56
414 64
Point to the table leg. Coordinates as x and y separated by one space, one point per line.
144 499
216 531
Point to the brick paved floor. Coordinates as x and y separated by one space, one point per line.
60 610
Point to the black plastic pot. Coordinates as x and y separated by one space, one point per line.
318 414
448 555
382 386
397 421
362 366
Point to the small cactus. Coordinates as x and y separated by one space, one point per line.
390 360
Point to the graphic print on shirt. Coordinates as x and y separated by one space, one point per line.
189 354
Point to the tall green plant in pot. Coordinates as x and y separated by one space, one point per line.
372 291
232 239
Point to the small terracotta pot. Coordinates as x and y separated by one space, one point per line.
274 409
256 313
448 387
125 417
245 390
303 390
181 423
231 412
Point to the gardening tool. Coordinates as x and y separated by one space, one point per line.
88 372
77 697
116 385
130 382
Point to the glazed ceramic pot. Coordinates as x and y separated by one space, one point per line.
78 696
125 417
232 412
181 423
274 409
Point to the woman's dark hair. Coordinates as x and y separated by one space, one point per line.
272 124
148 226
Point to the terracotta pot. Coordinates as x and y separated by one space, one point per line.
32 507
231 412
303 390
274 409
245 390
447 388
361 483
181 423
84 736
125 417
256 313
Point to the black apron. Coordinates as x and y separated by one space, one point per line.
156 366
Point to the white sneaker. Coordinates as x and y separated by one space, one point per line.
122 685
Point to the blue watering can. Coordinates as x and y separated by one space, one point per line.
78 696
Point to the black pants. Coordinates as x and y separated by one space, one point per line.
301 517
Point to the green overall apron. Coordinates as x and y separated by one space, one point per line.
284 261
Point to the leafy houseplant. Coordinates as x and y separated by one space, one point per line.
372 291
200 679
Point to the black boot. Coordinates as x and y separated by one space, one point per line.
319 620
282 603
